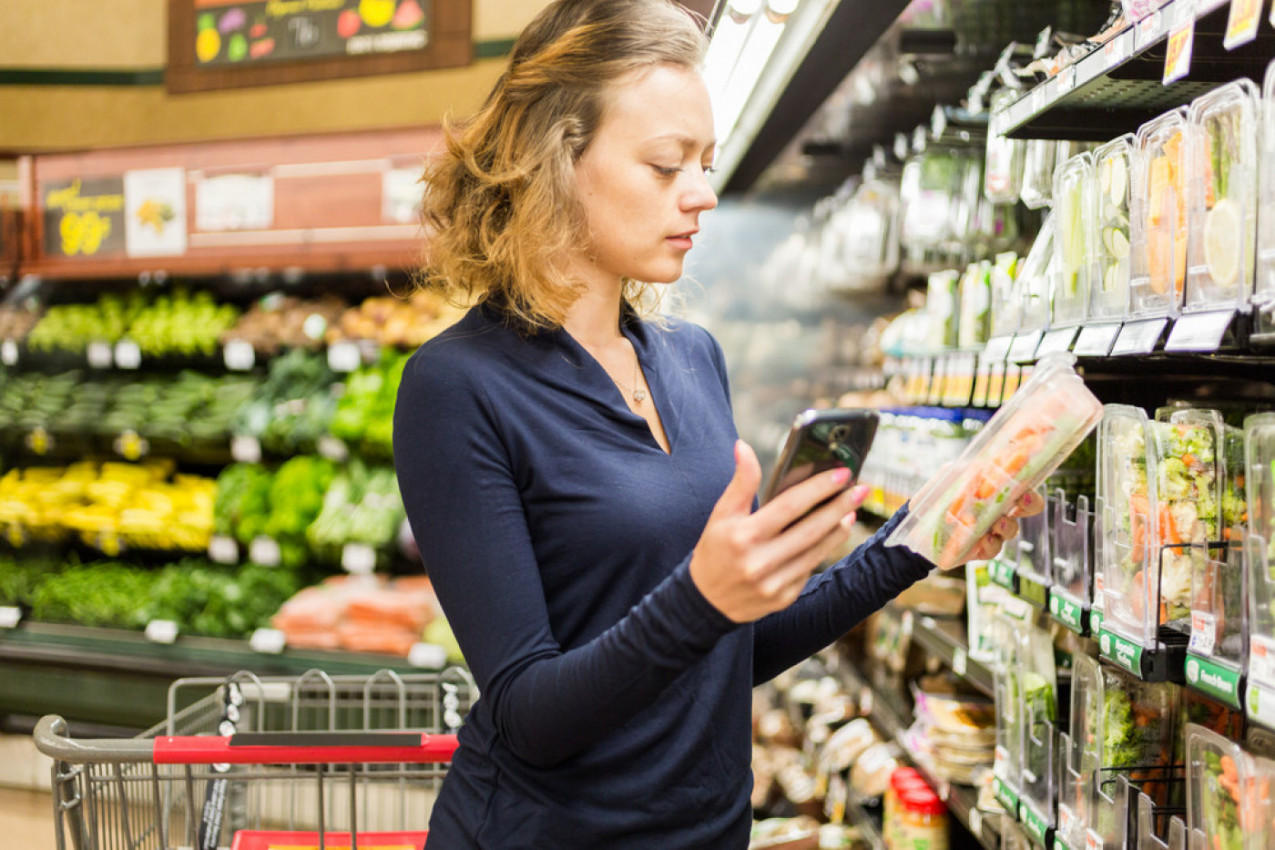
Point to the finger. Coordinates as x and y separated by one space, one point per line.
988 547
1006 528
807 534
737 498
795 502
791 576
1029 504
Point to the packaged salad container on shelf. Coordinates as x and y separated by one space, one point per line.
1160 222
1109 288
1007 763
942 306
1228 793
1081 752
1264 289
1074 240
1222 188
1005 304
1039 161
1003 169
1071 560
1259 483
1032 556
976 302
1037 688
1034 276
1019 447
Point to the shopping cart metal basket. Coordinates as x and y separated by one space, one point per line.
256 763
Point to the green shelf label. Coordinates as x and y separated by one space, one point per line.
1067 611
1004 574
1095 621
1213 679
1033 591
1123 653
1005 795
1034 821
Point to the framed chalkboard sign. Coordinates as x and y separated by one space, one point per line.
218 44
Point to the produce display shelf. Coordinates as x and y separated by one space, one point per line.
119 677
946 640
1119 85
892 719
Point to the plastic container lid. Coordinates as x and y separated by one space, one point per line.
1222 182
921 800
1264 290
1023 443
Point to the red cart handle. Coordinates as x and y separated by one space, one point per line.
306 748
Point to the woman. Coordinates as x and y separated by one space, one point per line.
572 472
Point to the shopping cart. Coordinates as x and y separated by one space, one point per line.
254 763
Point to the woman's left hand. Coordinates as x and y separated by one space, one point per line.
1006 528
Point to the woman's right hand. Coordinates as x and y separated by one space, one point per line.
750 564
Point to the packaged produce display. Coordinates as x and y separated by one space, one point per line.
1005 304
942 303
1264 290
1025 441
976 302
1228 793
1109 288
1071 559
1003 172
1081 751
1259 439
363 614
1037 687
1035 277
1160 220
1222 187
1074 239
1040 159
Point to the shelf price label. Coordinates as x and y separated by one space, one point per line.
239 355
344 357
1177 56
268 641
1148 30
245 449
10 616
131 446
161 631
1241 22
100 355
265 551
1116 50
128 354
223 549
358 559
9 353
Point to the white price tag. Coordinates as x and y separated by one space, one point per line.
10 616
1093 841
161 631
1116 50
269 641
128 354
100 355
1065 819
264 551
1096 340
239 355
1148 30
9 353
1261 660
427 655
245 449
344 357
1139 337
358 558
223 549
959 661
1199 331
1000 762
1037 99
976 822
1203 633
333 449
1066 80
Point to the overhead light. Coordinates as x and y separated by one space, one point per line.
752 54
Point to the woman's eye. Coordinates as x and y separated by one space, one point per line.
665 172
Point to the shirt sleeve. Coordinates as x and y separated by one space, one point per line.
835 601
462 500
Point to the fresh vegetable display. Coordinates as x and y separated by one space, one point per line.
1228 793
278 322
242 505
291 409
17 321
364 414
1158 271
1021 445
218 601
297 494
1109 291
1074 240
396 322
362 506
1264 287
1223 198
173 323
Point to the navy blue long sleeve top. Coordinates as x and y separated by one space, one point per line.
615 706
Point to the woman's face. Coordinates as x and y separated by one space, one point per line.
643 179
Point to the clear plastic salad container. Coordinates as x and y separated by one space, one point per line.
927 192
1222 186
1038 172
1003 170
1082 752
1074 240
976 305
1259 482
1228 793
1264 294
942 306
1070 527
1159 205
1007 764
1005 304
1034 290
1038 699
1109 288
1025 441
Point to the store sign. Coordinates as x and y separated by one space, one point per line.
155 200
1214 680
84 218
1241 22
1177 57
1123 653
229 33
1067 611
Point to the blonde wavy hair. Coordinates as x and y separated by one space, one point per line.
499 207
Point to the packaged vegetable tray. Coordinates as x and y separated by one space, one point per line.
1228 793
1109 289
1019 447
1074 240
1259 482
1159 247
1264 289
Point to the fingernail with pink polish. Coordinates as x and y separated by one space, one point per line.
841 476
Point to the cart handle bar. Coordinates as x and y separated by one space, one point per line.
247 748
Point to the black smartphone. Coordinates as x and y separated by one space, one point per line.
820 440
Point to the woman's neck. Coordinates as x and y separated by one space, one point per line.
594 319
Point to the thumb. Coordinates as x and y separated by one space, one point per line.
739 494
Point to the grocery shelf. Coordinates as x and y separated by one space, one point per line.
946 640
1119 85
119 677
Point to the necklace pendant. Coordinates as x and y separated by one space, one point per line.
639 395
